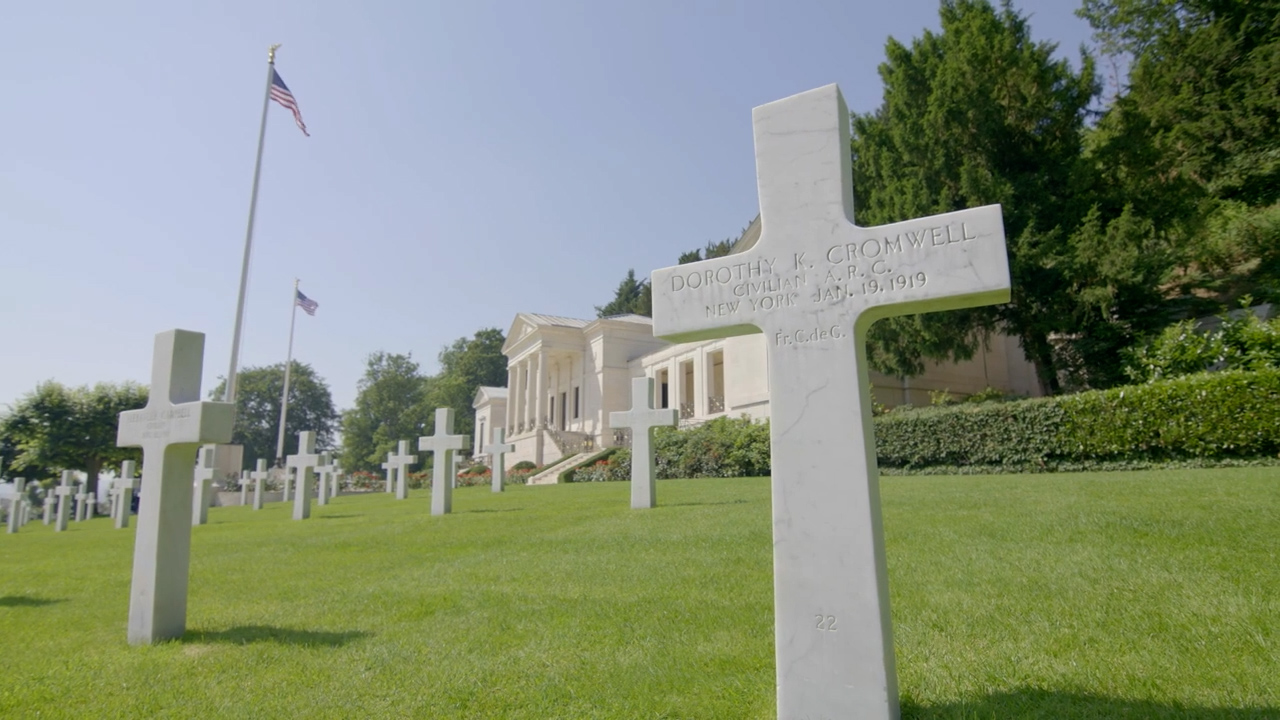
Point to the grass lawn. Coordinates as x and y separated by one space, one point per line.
1099 595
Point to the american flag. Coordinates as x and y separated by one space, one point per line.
307 304
280 93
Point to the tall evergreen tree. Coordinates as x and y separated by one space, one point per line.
1192 147
979 114
632 296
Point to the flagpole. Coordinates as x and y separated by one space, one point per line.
288 363
230 394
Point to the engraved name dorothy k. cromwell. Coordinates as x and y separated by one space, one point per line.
158 423
870 266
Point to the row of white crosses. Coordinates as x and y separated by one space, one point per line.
397 467
330 474
85 502
444 444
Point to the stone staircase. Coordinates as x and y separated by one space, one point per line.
570 443
551 474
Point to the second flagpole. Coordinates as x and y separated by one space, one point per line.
230 394
288 363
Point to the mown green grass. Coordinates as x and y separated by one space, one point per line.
1102 595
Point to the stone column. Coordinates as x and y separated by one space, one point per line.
524 393
508 414
539 399
700 387
554 383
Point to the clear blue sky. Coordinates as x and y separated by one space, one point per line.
467 161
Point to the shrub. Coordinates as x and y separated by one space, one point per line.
1222 415
1232 414
571 475
524 465
724 447
1245 342
470 478
611 468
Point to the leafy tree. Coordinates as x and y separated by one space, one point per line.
465 366
1193 145
59 428
391 405
258 393
632 296
980 114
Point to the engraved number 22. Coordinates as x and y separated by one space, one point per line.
826 623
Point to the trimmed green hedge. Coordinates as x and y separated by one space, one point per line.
1211 417
1220 415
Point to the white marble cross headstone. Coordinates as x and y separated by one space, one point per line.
169 430
16 505
124 493
442 444
244 487
48 507
399 467
643 419
813 284
90 502
259 476
81 499
497 452
286 484
202 489
64 492
335 479
323 471
391 471
303 464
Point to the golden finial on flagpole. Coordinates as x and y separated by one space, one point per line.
271 53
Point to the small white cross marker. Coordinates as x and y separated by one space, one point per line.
398 469
497 451
442 444
259 476
127 483
643 419
202 489
303 464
